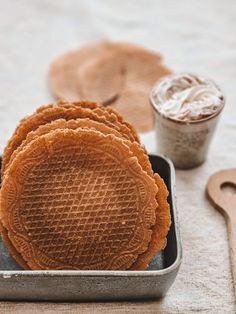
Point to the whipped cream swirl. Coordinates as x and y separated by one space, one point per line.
187 97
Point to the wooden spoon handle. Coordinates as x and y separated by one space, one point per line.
232 247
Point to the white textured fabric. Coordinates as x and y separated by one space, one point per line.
196 36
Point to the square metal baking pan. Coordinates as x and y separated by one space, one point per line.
18 284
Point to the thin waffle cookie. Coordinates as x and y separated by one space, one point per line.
105 85
14 253
134 105
63 72
161 227
110 113
133 102
41 130
50 113
64 124
119 74
69 203
163 218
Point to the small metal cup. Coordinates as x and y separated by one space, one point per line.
186 143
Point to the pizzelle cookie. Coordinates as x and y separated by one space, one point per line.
161 227
115 74
50 113
163 218
162 213
11 249
110 113
63 124
41 130
63 72
143 71
134 105
65 77
105 85
102 205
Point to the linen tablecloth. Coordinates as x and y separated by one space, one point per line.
196 36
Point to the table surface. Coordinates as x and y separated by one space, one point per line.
195 36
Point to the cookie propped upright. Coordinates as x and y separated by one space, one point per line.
82 159
77 199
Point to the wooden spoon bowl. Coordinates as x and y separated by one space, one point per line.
221 190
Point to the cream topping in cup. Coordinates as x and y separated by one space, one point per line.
187 97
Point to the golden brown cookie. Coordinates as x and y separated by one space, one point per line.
163 213
162 224
41 130
67 234
113 73
110 113
160 229
3 232
133 103
50 113
14 253
163 217
101 80
134 106
63 72
63 124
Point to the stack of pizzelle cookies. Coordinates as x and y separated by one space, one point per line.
78 192
117 74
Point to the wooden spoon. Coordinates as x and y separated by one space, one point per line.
217 187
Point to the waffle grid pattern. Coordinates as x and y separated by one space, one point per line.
92 214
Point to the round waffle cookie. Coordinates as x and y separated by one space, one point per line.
138 64
50 113
63 72
14 253
105 85
70 204
159 230
63 124
163 218
161 227
41 130
106 112
118 74
110 113
133 104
